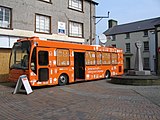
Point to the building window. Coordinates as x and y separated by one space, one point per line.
146 63
114 45
146 46
76 4
5 17
127 35
127 47
75 29
113 37
145 33
48 1
43 23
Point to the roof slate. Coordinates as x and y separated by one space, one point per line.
133 27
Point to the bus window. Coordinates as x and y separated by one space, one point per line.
90 58
99 58
33 61
20 55
43 58
43 74
114 58
106 58
63 57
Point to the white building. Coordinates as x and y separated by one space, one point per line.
124 36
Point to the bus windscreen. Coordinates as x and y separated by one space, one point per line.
20 55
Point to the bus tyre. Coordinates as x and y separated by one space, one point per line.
63 79
107 75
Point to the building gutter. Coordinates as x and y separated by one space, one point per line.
92 2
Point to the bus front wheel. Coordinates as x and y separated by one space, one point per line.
63 79
107 74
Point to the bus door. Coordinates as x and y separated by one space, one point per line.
79 66
43 64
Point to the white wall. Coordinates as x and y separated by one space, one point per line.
7 41
135 36
152 50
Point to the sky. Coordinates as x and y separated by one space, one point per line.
125 11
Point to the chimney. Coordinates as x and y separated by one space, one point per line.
112 23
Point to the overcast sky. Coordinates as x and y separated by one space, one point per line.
126 11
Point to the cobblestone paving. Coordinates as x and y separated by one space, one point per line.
96 100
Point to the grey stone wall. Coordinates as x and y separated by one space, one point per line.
23 14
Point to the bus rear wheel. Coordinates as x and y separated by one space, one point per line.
107 74
63 79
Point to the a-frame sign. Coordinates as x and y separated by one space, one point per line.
23 80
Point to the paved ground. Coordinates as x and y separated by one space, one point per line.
96 100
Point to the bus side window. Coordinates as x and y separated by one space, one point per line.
43 58
33 61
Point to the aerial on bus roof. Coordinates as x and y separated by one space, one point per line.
59 63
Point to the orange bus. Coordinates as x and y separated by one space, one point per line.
58 63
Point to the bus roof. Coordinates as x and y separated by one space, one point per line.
60 44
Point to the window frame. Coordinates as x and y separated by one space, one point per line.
10 19
46 1
126 50
144 63
57 57
73 8
146 46
114 45
91 57
33 64
97 58
70 34
46 58
145 33
109 58
113 37
112 58
37 14
127 35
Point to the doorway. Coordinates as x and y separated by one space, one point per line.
43 64
128 63
79 66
